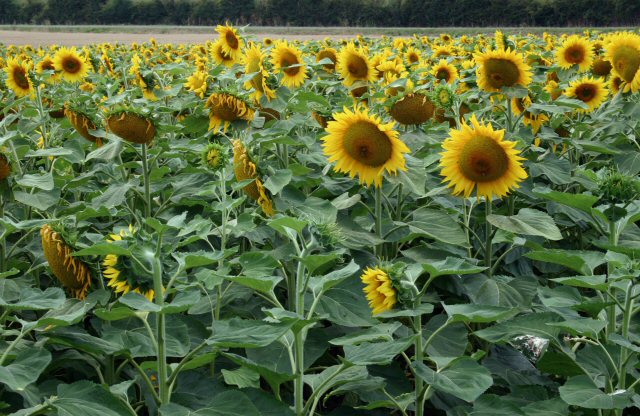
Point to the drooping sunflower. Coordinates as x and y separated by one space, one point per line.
623 51
445 71
591 91
244 169
379 289
131 126
601 67
197 83
476 156
74 274
71 66
18 79
501 68
122 273
82 123
328 53
575 50
413 108
354 65
231 43
362 145
254 64
225 108
287 59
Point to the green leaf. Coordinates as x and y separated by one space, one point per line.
529 222
598 282
535 324
582 202
114 314
88 399
102 249
557 170
581 261
381 332
451 266
44 181
244 333
323 283
241 377
273 378
25 369
479 313
287 226
228 403
315 261
71 312
278 180
580 391
40 200
262 284
114 196
200 258
376 353
438 225
36 299
138 302
317 210
463 378
581 327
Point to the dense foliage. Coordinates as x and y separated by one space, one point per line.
398 13
409 226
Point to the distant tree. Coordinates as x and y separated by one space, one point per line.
117 11
9 11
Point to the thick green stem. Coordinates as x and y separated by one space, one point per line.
161 343
626 322
378 219
299 339
419 385
147 185
488 254
611 309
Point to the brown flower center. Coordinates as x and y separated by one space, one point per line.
288 58
231 39
364 142
20 78
574 54
443 74
71 65
501 73
483 160
586 92
626 60
357 67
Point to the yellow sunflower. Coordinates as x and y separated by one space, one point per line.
220 56
412 56
71 66
225 108
46 64
501 68
71 272
623 51
591 91
245 169
445 71
230 41
288 60
328 53
519 107
575 50
476 156
18 79
121 272
254 64
197 83
354 65
362 145
381 294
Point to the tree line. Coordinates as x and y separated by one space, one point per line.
390 13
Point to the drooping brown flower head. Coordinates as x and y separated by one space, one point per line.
82 124
132 127
414 108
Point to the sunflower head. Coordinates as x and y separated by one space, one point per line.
46 64
575 50
623 51
379 289
214 156
72 273
445 72
601 67
330 54
225 108
123 274
477 157
354 65
231 43
591 91
362 145
220 56
287 60
71 66
131 125
501 68
18 78
82 123
245 169
197 83
413 108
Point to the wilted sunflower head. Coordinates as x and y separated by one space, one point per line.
124 275
501 68
225 108
476 156
254 64
245 169
413 108
131 125
74 274
5 167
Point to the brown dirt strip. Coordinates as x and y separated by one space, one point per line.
79 39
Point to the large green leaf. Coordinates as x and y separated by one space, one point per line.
581 261
463 378
529 222
437 225
378 353
580 391
534 324
246 333
479 313
88 399
583 202
25 369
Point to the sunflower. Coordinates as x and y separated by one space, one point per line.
254 64
82 124
122 274
519 107
225 108
214 156
412 56
381 294
245 169
18 78
575 50
591 91
288 60
328 53
5 167
623 51
601 67
477 156
71 272
71 66
197 83
412 109
132 127
354 65
46 64
230 41
445 71
501 68
362 145
219 55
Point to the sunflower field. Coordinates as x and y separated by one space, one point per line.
376 226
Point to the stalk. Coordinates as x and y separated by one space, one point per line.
378 219
147 186
419 385
161 343
488 237
299 340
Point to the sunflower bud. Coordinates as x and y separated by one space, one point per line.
214 156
